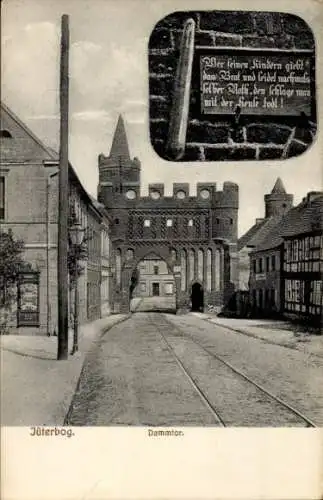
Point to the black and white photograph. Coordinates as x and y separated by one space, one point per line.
231 85
150 280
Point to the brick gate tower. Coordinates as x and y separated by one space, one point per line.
195 235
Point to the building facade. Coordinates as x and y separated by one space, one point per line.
303 261
195 236
277 204
29 207
154 279
286 266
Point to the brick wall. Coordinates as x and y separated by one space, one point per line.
206 140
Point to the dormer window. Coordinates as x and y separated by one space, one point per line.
5 133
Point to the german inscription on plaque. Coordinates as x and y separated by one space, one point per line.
272 84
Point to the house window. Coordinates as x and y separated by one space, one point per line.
146 223
316 293
260 265
156 270
169 289
273 262
217 221
2 198
267 264
169 223
231 221
6 134
254 265
190 223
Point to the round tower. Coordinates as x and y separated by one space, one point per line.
278 202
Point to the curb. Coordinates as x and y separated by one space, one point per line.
97 339
252 335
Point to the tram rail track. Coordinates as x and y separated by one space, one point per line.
203 395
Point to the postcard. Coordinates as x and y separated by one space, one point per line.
161 250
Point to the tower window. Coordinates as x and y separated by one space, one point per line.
146 223
190 223
169 223
116 221
231 221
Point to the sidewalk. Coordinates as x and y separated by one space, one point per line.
36 389
274 332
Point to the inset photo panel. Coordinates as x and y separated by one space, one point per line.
231 85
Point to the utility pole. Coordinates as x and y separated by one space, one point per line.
62 270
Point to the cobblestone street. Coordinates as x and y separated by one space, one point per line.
158 369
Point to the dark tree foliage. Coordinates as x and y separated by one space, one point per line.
11 263
77 254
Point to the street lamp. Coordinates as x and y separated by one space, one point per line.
76 233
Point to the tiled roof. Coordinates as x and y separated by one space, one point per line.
257 233
302 219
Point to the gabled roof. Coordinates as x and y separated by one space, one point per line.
257 233
10 120
302 219
120 148
50 154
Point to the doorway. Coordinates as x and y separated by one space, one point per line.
155 289
197 297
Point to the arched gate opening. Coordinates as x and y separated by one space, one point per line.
152 286
197 297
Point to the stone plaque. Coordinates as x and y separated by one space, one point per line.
271 83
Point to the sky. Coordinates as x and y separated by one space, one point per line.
109 75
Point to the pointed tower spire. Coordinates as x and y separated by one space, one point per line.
119 148
278 187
